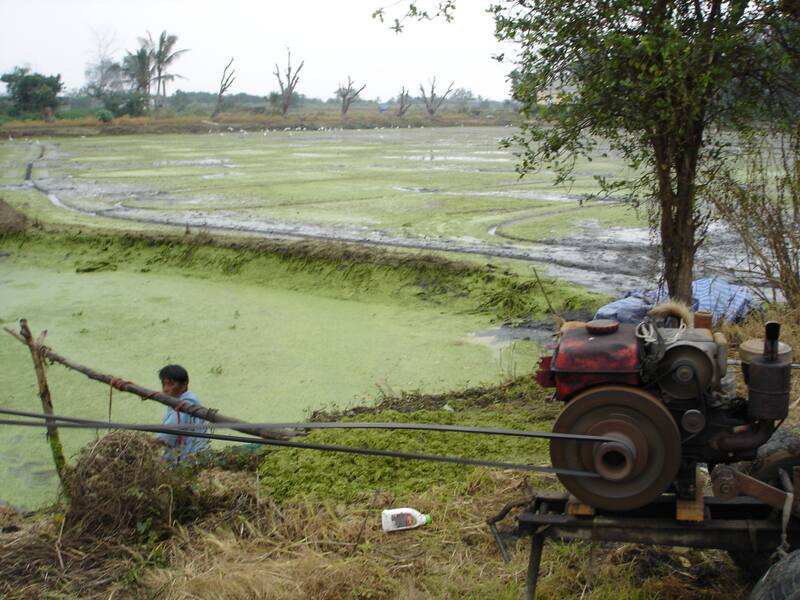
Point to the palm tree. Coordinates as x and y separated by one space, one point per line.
164 55
138 69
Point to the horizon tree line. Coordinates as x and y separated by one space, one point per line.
138 82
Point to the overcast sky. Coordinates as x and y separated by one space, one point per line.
335 38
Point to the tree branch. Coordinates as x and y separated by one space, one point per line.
201 412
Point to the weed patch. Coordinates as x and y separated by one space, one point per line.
339 270
297 473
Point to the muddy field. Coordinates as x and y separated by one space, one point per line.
449 189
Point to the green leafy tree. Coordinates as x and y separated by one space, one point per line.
657 80
33 92
138 69
418 11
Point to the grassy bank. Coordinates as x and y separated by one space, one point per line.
335 270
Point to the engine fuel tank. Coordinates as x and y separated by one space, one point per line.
587 357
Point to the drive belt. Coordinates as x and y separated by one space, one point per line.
193 430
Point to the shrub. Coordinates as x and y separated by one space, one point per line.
104 115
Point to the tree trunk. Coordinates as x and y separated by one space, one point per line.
217 108
678 264
677 219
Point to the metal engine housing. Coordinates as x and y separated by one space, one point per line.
614 377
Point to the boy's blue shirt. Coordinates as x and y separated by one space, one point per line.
182 447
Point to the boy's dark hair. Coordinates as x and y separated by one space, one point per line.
174 373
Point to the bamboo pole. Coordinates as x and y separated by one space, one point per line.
36 348
202 412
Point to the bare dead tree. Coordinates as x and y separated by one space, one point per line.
104 74
225 82
404 98
287 87
348 94
761 202
432 101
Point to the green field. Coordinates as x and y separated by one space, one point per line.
453 183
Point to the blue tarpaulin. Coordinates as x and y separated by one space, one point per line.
725 301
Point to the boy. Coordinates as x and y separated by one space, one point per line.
175 383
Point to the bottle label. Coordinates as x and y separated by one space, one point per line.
402 520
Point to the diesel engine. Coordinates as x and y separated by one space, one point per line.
667 397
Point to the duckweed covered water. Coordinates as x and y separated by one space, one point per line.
254 350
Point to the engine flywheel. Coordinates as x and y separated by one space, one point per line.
633 471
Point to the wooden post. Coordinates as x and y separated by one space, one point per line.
44 395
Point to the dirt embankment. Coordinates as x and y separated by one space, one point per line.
12 220
252 121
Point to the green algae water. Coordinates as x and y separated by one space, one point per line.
253 351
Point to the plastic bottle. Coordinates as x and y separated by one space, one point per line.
398 519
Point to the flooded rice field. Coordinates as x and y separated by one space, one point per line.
449 189
445 189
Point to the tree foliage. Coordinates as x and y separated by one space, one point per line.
32 92
444 9
138 69
150 63
163 54
655 80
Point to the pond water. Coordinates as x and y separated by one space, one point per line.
254 352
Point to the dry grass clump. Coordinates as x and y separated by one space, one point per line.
42 560
10 519
121 497
11 220
123 502
121 485
753 326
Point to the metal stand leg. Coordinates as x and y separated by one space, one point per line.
537 544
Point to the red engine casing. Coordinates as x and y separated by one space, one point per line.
583 359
